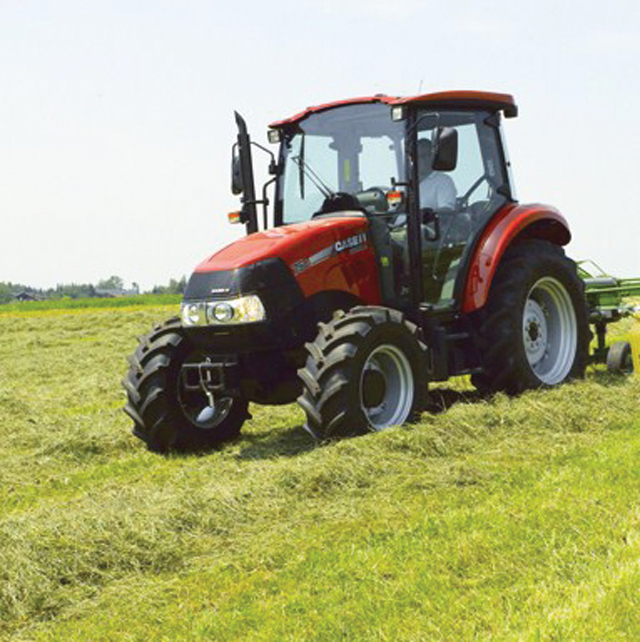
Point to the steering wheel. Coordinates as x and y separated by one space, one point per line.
464 200
336 202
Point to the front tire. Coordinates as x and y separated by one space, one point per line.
366 370
534 328
167 416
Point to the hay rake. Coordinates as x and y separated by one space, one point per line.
607 298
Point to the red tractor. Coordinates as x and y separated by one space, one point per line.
395 254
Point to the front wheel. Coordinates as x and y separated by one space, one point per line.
168 414
534 328
366 370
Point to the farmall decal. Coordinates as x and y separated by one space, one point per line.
353 243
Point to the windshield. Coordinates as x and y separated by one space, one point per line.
348 149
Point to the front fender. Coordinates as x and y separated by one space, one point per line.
511 222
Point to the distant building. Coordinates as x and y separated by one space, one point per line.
27 296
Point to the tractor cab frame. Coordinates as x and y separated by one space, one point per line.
361 158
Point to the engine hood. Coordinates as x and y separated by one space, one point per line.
291 243
290 263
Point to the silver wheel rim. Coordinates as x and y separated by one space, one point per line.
210 416
392 369
550 331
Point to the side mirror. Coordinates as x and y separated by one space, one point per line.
236 173
445 158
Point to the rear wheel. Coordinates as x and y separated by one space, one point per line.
534 329
366 370
619 358
168 415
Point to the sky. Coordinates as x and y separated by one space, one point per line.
116 117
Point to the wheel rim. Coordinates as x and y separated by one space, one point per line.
386 387
550 331
204 414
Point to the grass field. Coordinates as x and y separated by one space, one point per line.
28 307
504 519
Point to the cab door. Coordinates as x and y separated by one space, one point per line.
456 203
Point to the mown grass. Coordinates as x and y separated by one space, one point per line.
92 302
490 519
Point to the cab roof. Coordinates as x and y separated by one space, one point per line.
488 101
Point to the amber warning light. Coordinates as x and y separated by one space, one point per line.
394 198
234 217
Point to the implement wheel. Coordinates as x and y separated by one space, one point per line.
366 370
534 329
619 358
166 415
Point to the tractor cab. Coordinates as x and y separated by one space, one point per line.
427 173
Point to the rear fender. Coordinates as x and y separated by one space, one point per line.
511 223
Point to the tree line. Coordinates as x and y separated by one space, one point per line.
112 286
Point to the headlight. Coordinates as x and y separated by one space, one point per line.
248 309
222 312
192 314
244 309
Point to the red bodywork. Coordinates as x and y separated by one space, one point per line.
344 269
542 221
354 270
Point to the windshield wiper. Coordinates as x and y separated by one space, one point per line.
326 191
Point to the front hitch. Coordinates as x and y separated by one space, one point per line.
220 378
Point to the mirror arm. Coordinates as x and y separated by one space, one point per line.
265 201
268 151
273 170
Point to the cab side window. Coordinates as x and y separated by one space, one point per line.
469 168
477 178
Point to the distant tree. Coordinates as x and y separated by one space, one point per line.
112 283
74 290
6 292
175 287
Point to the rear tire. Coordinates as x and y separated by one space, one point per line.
166 416
534 328
366 370
619 358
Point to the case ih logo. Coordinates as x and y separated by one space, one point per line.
351 243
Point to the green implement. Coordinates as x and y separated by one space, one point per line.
606 296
